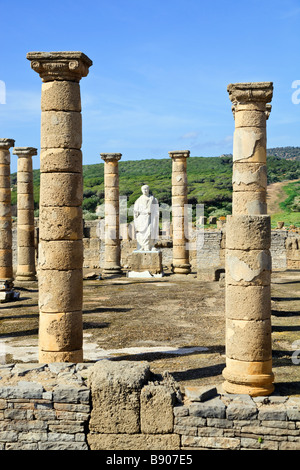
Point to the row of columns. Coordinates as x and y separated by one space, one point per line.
180 263
248 262
26 270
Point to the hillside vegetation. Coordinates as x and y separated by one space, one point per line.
209 182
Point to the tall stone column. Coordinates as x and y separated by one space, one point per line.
181 264
26 270
248 260
61 193
112 230
249 178
6 263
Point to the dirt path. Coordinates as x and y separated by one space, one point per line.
276 195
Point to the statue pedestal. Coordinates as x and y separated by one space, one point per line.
7 292
146 264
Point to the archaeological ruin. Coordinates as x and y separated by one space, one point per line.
65 401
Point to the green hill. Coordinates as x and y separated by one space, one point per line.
209 181
288 153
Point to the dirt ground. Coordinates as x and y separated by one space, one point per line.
176 323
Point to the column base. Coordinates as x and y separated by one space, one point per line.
181 268
250 378
25 277
112 271
7 292
239 389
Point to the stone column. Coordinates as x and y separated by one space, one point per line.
25 225
248 306
250 110
112 264
6 263
61 193
181 264
248 260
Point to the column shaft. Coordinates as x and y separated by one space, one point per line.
181 264
6 263
26 270
61 193
112 231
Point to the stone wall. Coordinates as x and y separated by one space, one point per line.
122 405
208 260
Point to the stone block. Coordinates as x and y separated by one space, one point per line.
249 145
147 261
249 202
248 232
25 235
248 340
248 302
60 331
61 129
115 389
250 118
157 409
249 177
60 255
60 356
61 160
61 189
25 202
248 267
213 408
134 441
60 291
60 96
239 410
26 255
61 223
194 393
70 394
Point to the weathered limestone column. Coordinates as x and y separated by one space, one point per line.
6 264
112 231
248 306
60 224
249 177
181 264
26 270
248 240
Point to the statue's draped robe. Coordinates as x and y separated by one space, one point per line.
146 219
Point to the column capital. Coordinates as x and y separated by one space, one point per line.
250 92
65 65
179 154
5 144
268 110
111 157
24 151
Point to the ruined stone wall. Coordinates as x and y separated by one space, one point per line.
210 257
122 405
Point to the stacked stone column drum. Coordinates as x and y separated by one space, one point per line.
181 264
26 270
6 265
112 230
249 178
61 193
248 240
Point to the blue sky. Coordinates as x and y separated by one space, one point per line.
160 71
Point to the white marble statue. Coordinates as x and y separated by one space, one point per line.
146 220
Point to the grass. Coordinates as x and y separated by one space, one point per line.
290 213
